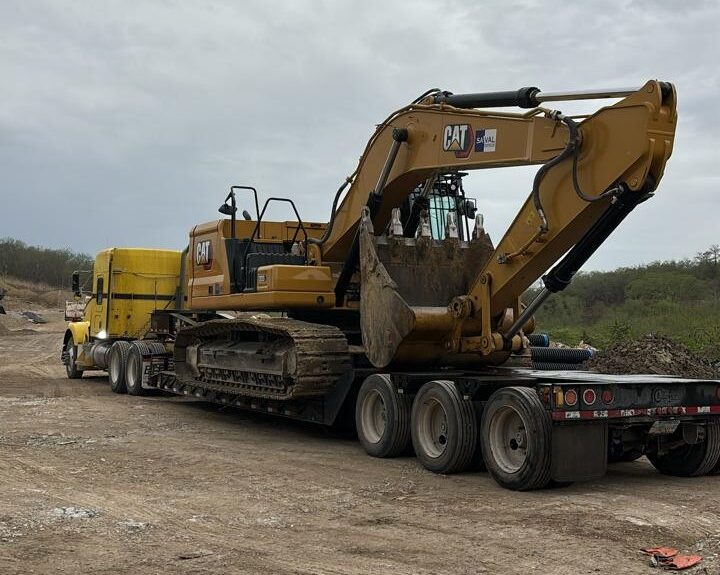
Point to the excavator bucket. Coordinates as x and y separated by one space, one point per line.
406 286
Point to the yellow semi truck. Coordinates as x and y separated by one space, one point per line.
128 284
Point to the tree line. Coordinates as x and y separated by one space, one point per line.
680 298
40 265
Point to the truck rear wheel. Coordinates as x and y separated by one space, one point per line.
515 435
71 367
444 428
117 363
691 459
134 370
382 417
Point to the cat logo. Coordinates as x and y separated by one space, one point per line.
457 138
203 253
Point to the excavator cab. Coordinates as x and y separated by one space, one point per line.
446 196
255 264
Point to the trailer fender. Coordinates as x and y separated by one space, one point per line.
579 452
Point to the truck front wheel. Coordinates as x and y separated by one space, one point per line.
382 417
691 459
117 364
71 367
515 435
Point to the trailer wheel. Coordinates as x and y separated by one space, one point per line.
382 417
515 435
71 367
117 363
134 369
444 428
691 459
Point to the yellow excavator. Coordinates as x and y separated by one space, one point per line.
401 315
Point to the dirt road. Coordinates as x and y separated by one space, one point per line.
94 482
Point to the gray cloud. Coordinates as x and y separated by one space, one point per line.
124 123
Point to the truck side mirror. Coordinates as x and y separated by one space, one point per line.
76 283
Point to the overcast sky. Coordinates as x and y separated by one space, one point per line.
124 123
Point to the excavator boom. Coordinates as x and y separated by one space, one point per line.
595 172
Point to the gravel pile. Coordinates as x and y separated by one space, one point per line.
653 354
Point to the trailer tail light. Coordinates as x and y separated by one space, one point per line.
608 396
558 393
589 396
571 397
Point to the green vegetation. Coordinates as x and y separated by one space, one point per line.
678 299
40 265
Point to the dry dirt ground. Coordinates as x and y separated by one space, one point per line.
93 482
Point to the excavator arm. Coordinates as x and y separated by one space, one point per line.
595 172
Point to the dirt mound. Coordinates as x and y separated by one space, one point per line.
652 354
20 294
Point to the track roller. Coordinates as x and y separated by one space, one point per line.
444 428
515 435
382 417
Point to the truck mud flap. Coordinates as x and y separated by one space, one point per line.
579 452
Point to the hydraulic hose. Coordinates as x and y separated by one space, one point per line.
539 339
331 223
560 355
576 185
572 147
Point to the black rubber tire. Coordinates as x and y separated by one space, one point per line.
134 367
691 460
534 472
117 362
460 436
71 368
395 437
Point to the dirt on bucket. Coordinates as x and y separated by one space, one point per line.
654 354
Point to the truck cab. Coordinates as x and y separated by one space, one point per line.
126 286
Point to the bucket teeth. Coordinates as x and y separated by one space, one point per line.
451 226
366 220
425 231
479 229
395 229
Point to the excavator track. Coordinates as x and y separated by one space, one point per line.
263 357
